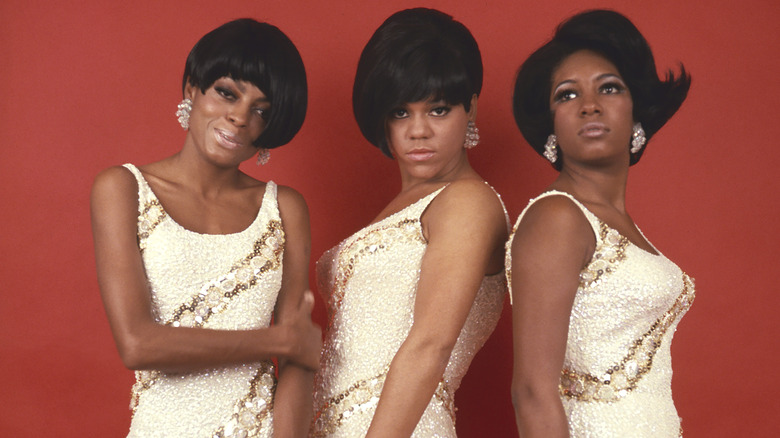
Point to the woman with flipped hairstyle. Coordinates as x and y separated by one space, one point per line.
595 305
194 257
415 294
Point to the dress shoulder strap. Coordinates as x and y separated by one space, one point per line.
270 204
417 209
145 194
503 207
592 219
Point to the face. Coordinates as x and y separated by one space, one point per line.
592 110
227 119
426 137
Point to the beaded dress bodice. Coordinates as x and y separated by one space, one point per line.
369 282
227 282
617 371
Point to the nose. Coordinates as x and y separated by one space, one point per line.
419 127
589 104
238 115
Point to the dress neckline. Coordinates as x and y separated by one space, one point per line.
600 221
196 233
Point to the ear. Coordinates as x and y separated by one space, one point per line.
473 108
189 90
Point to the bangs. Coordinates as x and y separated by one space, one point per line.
429 75
239 62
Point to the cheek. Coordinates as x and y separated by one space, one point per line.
393 132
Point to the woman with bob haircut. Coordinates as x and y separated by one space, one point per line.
595 305
194 257
415 294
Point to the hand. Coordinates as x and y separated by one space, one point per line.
306 337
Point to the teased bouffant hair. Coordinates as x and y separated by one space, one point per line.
613 36
259 53
416 54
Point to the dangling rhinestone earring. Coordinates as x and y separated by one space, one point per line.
263 156
183 113
551 148
637 138
472 136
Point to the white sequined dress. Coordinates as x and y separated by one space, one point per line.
369 282
617 375
227 282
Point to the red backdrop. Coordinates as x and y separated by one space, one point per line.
89 86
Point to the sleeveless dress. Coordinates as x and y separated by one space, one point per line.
227 282
369 282
617 371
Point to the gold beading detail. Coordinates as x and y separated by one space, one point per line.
215 296
610 252
371 242
361 395
624 376
250 412
151 215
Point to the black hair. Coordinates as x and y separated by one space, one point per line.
613 36
415 54
259 53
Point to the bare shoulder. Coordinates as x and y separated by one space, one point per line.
471 198
558 212
553 221
116 183
290 200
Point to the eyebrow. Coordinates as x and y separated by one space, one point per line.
242 88
598 78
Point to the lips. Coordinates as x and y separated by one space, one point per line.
593 130
420 154
227 139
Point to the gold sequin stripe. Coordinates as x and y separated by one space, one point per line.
150 217
360 396
608 254
371 243
215 296
144 380
619 380
254 408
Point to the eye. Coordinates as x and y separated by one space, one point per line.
399 113
564 95
224 92
612 88
440 111
264 113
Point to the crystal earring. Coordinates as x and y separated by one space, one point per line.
637 138
551 148
263 156
472 136
183 113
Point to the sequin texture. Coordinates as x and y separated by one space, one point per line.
227 282
616 377
369 282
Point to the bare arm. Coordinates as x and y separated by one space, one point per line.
142 342
466 230
293 400
551 245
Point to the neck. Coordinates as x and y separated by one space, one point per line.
201 176
461 169
601 186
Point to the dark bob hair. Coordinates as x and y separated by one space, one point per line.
613 36
259 53
416 54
